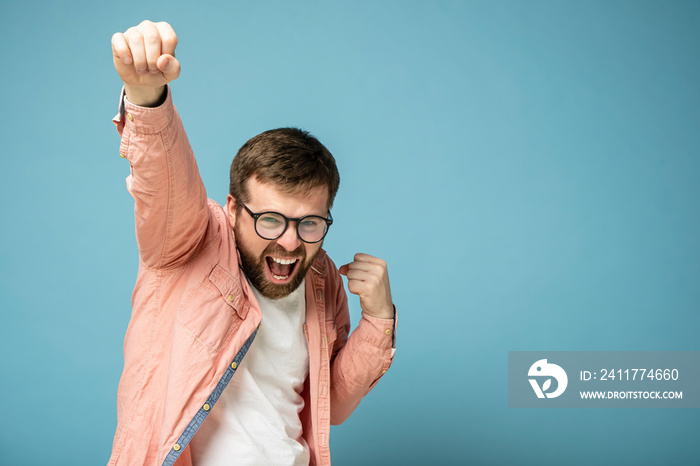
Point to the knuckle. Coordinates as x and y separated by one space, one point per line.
133 34
151 38
169 36
170 41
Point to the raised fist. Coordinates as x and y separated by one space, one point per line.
144 57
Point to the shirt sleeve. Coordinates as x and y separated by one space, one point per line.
170 199
360 359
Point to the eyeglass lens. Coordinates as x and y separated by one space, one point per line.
310 229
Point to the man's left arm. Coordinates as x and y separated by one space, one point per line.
369 350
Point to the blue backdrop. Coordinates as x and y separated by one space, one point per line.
528 169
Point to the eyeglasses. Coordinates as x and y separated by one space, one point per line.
272 225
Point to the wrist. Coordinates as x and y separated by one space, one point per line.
387 313
145 96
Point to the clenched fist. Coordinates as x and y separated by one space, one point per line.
368 278
144 57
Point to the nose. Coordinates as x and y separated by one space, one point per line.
289 239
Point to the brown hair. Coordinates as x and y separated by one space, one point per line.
289 158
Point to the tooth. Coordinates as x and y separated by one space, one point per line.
284 261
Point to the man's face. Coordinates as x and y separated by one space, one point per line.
266 263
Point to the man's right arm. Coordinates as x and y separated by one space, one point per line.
170 199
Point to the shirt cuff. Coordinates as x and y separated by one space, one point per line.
385 327
145 120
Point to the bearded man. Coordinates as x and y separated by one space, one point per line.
239 348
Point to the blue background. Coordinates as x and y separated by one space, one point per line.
528 169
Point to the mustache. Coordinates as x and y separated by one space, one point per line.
276 250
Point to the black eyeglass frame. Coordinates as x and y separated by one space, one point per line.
256 216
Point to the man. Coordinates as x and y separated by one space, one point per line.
249 279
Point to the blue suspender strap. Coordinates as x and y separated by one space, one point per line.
201 415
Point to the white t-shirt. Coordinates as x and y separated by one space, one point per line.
256 420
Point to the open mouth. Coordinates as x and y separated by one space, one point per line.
280 269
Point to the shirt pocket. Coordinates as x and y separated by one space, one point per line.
212 312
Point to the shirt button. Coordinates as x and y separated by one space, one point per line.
234 364
131 118
230 297
176 447
388 331
206 407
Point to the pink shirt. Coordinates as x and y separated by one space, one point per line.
194 315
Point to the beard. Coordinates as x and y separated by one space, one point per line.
255 267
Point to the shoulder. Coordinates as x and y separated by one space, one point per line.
219 220
218 246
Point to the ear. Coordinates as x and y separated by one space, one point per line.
231 210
